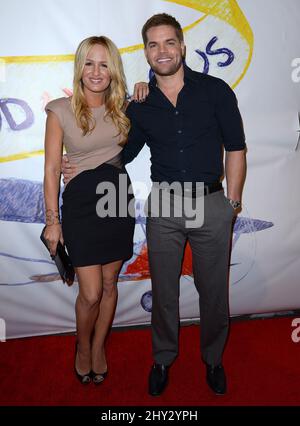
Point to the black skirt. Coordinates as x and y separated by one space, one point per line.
96 227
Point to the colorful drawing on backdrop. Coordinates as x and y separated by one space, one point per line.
219 42
22 201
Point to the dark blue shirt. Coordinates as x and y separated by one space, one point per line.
186 142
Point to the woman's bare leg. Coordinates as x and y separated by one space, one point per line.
87 311
105 318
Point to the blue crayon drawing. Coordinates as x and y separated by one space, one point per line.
4 109
209 52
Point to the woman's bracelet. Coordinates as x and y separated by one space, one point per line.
52 217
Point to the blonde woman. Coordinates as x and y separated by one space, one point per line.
92 126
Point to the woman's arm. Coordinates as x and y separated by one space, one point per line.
53 153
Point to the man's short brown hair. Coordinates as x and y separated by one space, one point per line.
162 19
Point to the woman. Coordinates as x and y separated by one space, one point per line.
92 126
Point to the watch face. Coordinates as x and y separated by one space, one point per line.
235 204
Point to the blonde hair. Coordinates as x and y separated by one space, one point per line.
115 96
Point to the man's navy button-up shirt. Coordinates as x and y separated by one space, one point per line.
186 142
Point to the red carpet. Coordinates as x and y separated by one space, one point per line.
261 361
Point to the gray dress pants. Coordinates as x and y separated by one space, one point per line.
210 245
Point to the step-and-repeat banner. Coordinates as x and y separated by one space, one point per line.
252 45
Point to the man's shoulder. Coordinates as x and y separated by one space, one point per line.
209 80
134 107
130 106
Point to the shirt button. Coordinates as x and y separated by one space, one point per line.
183 171
179 131
176 112
181 150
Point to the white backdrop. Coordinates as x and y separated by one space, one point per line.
250 44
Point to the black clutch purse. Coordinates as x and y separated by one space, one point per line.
62 261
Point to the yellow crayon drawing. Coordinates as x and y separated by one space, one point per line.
221 17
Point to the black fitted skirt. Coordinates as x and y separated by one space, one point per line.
98 216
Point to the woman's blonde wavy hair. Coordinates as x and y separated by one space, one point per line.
115 96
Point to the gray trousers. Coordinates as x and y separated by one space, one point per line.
210 245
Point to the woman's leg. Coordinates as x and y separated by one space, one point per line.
87 310
105 318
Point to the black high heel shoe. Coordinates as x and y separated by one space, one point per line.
98 377
84 379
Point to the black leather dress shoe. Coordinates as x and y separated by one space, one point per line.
158 379
216 379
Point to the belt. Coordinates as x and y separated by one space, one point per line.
209 188
193 192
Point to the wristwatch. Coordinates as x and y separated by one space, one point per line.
235 204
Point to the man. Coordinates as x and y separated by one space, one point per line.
186 120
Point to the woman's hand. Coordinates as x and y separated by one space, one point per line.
53 234
67 169
140 92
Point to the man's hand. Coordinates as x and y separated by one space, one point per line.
68 170
140 92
